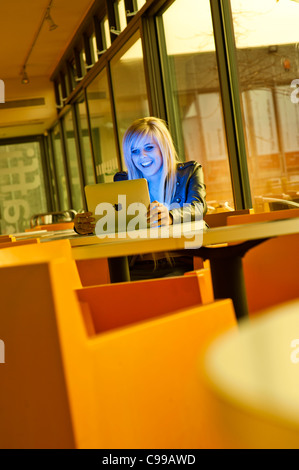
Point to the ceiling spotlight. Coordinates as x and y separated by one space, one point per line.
25 78
48 17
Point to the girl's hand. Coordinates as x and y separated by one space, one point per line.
158 215
84 223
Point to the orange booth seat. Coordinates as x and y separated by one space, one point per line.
90 272
127 379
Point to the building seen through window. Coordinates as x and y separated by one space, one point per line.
266 35
192 76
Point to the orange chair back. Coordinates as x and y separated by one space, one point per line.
93 272
271 272
133 386
117 305
262 217
220 218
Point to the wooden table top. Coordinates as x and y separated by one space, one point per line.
177 238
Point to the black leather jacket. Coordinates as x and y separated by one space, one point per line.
190 196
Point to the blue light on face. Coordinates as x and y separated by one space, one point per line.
137 151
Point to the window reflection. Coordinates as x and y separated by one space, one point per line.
102 131
266 36
190 73
129 86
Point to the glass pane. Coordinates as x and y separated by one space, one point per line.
191 79
129 86
140 4
103 138
89 175
60 171
93 48
121 13
106 31
22 192
266 36
72 162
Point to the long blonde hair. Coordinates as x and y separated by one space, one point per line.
157 130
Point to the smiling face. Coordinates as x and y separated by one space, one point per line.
147 157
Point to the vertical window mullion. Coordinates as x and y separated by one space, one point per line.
90 135
47 172
78 150
114 120
65 165
152 66
51 156
78 64
129 5
110 8
100 39
87 49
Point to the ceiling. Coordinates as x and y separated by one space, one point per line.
24 37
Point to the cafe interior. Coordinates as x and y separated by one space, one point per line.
90 359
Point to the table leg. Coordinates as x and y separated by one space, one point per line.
119 269
227 272
228 282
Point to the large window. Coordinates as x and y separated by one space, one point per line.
193 95
266 35
129 86
102 132
22 191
